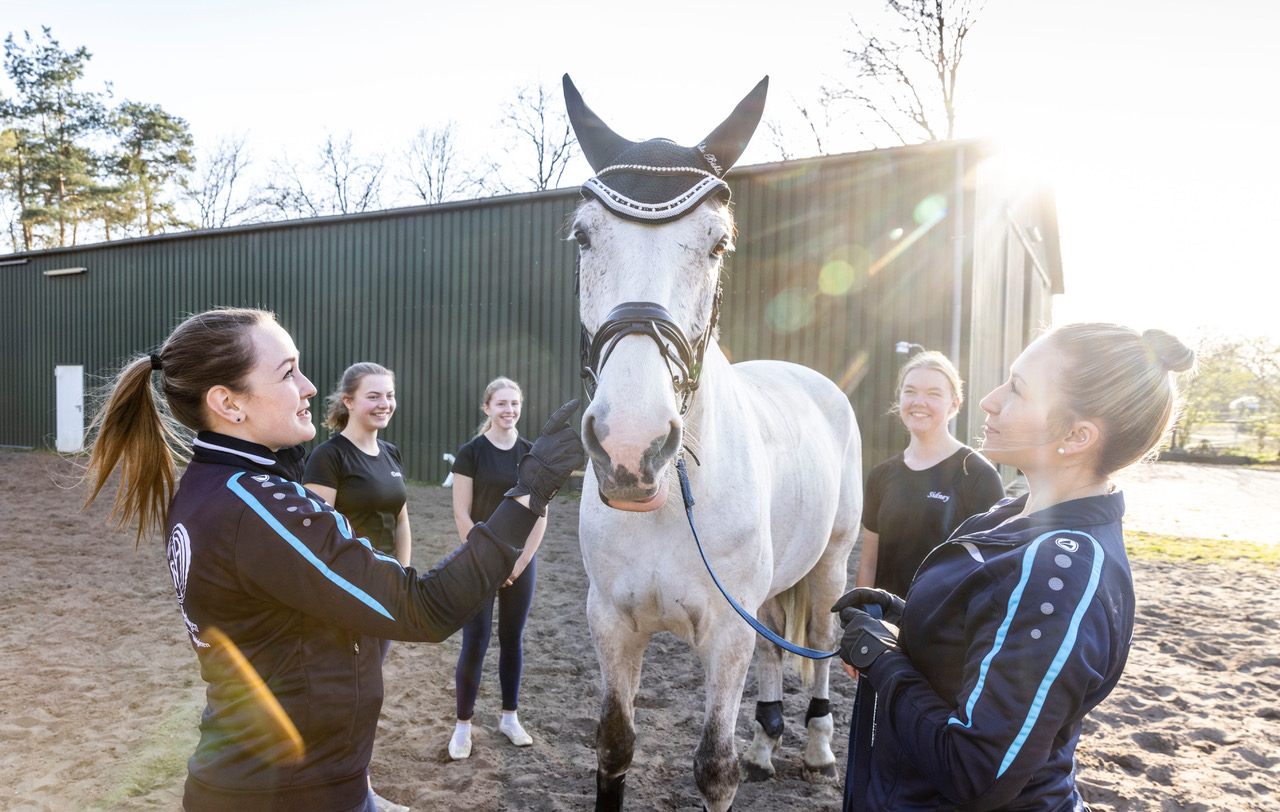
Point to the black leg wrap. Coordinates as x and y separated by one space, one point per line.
817 707
769 715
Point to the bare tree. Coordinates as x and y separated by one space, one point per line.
906 81
815 119
431 166
540 142
338 182
219 191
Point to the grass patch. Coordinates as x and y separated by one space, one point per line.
159 760
1222 552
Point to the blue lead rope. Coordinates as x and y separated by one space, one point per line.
861 725
765 632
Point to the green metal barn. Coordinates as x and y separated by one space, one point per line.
840 260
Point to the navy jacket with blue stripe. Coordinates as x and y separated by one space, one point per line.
1011 634
258 558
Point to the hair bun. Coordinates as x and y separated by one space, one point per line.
1172 353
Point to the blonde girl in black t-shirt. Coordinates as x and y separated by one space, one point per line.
915 499
483 471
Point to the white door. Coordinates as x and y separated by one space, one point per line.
70 407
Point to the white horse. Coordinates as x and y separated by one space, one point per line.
775 459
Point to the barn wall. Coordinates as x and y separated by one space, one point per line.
837 260
447 297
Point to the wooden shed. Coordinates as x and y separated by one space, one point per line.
841 262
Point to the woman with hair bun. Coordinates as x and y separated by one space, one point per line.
1020 623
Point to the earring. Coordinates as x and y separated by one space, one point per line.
1061 450
238 419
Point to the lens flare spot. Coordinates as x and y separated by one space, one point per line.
789 311
896 234
933 207
836 277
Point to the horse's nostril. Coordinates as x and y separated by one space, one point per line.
589 439
672 445
660 452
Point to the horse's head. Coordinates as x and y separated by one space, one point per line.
652 231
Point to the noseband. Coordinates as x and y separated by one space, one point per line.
684 359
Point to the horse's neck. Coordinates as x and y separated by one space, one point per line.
709 420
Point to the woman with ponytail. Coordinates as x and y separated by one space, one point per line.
283 603
483 469
1020 623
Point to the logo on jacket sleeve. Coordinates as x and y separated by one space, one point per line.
1070 545
179 555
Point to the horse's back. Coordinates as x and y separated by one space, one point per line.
792 393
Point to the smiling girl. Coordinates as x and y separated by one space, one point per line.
354 470
482 472
915 499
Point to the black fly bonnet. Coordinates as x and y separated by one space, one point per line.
654 182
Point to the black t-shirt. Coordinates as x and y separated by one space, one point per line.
915 511
492 470
371 491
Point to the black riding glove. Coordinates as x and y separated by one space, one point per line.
891 606
555 454
865 638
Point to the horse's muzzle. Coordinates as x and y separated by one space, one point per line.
641 505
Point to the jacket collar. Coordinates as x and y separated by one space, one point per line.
220 449
1075 514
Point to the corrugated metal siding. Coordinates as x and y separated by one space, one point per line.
451 296
448 298
867 216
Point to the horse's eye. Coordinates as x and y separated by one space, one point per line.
580 235
721 247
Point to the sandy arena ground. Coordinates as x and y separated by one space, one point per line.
100 694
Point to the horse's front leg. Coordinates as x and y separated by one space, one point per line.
757 761
725 660
620 650
827 583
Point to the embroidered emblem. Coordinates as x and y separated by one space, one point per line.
941 497
179 554
1070 545
711 158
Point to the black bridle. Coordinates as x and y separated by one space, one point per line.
684 364
683 358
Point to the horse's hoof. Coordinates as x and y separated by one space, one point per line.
826 774
754 772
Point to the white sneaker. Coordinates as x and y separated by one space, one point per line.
383 805
510 727
460 744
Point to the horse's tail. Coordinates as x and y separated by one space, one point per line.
796 604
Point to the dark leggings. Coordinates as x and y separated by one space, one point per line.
514 603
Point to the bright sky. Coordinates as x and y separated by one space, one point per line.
1153 118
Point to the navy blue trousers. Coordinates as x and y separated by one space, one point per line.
514 603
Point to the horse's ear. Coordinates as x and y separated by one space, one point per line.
724 146
599 143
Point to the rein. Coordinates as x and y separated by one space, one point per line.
761 629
